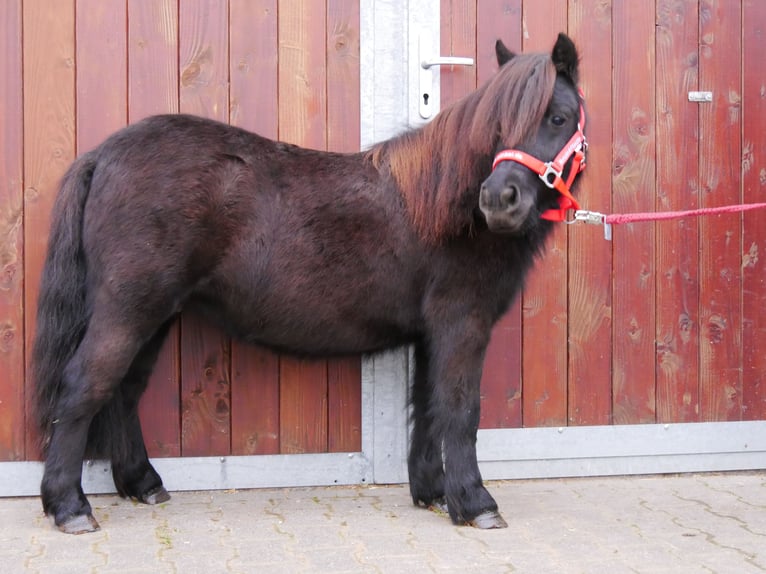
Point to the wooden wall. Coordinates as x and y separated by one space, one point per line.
665 323
75 71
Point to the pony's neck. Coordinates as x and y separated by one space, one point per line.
438 171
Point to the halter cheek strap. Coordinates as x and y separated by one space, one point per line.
550 171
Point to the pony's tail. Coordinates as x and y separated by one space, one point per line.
61 307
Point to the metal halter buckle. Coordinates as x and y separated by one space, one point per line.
550 171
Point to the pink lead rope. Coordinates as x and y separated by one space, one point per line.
607 220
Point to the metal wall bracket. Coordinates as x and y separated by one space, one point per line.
700 96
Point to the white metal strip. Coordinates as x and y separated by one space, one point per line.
385 101
209 473
390 420
622 449
503 454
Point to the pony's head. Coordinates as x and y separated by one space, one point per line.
530 108
536 160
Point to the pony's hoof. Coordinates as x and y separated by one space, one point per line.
80 524
439 505
156 496
489 519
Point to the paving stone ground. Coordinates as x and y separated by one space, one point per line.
709 523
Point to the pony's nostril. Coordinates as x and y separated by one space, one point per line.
510 196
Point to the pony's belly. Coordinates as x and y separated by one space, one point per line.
306 337
312 331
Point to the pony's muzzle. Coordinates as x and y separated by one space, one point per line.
501 200
505 199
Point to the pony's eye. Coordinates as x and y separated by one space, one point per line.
558 121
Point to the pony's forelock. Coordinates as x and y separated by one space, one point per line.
438 168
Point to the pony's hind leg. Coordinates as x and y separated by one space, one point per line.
88 383
133 474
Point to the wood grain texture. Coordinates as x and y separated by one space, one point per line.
254 106
677 253
457 38
49 139
205 389
302 406
344 405
634 190
12 417
496 19
590 257
203 57
303 121
153 89
544 307
102 62
501 382
153 58
344 376
343 105
754 223
721 240
253 53
205 358
255 400
303 73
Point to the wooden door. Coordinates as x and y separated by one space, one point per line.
73 72
662 324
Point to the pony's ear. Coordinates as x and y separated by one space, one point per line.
565 57
503 53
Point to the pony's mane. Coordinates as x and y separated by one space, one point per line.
439 167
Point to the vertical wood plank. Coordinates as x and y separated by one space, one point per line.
677 255
343 103
205 357
457 38
501 382
205 395
254 60
49 139
153 89
253 97
203 58
344 405
303 73
590 257
754 224
496 19
344 376
303 406
12 418
255 404
721 239
153 58
101 70
633 181
303 121
544 307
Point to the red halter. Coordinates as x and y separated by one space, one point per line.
550 172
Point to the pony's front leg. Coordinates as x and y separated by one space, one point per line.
456 360
425 464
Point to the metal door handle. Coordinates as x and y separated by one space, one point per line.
428 104
447 61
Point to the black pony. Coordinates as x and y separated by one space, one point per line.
421 240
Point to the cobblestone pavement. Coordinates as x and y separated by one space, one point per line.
690 523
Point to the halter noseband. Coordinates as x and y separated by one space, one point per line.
550 171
